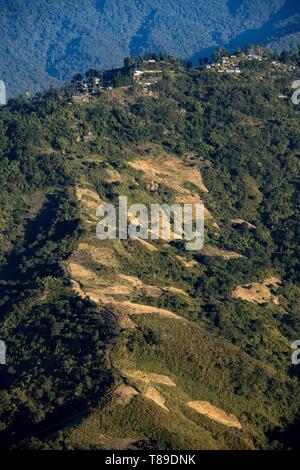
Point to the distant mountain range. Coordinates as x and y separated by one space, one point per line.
45 42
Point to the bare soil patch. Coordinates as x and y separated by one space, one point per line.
77 289
125 394
89 198
138 309
213 251
153 395
149 377
147 245
169 170
243 222
80 272
258 292
102 254
125 322
151 291
212 412
173 172
176 290
113 176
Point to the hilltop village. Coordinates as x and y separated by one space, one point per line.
233 63
146 72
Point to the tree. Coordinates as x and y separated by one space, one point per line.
285 57
128 62
221 52
92 73
77 78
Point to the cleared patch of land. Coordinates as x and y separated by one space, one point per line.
125 322
89 198
146 244
125 394
153 395
258 292
135 282
113 176
176 290
175 173
212 412
243 222
149 377
80 272
213 251
103 254
107 291
138 309
170 171
77 289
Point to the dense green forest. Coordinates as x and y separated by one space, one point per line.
44 43
67 349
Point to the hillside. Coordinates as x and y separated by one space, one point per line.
142 344
46 42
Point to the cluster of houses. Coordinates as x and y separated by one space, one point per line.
148 75
147 72
225 65
284 67
88 88
231 64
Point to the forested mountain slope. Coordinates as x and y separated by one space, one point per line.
143 344
45 42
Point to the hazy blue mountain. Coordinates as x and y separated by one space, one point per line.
45 42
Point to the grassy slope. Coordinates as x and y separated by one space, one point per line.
233 354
